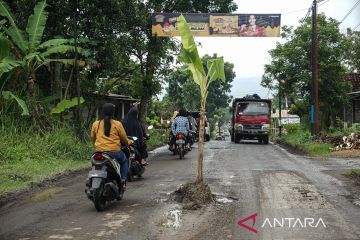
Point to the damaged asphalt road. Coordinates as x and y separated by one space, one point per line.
271 193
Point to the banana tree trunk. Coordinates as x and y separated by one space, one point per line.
201 143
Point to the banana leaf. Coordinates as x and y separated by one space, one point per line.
36 25
189 53
66 104
5 48
9 95
215 69
17 36
7 64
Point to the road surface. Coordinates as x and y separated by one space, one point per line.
270 192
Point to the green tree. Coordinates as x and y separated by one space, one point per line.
126 52
353 49
291 64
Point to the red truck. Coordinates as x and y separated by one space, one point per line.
250 119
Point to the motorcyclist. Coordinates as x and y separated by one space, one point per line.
108 136
134 128
193 127
171 136
180 125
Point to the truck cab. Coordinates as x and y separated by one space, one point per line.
250 119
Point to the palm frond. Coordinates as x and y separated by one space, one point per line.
17 35
36 25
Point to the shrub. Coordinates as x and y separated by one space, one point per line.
292 127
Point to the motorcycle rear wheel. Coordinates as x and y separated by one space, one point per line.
130 176
99 200
181 152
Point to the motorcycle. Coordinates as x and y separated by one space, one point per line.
103 183
192 137
180 145
134 156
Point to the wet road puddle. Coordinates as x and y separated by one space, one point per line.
224 200
172 218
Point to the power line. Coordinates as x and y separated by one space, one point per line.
300 10
356 26
352 9
322 3
295 11
308 13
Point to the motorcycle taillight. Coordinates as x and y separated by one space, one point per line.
180 136
99 156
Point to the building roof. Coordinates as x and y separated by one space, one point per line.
116 97
354 78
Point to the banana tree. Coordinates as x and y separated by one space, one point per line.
29 53
215 70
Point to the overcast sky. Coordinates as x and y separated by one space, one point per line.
250 54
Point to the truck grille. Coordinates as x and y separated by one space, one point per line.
252 126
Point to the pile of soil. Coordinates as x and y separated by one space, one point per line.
193 195
352 153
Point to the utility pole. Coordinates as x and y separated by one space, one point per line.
280 124
315 96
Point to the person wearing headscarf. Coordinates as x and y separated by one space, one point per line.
109 135
134 128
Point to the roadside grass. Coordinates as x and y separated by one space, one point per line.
302 140
27 158
355 172
158 137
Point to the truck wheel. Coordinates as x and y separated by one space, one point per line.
266 140
232 137
237 139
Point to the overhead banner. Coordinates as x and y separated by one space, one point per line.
218 24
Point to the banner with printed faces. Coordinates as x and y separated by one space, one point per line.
218 24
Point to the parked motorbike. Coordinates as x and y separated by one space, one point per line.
103 183
134 156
